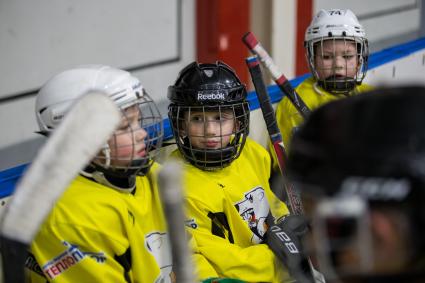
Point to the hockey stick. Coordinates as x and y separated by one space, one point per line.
81 134
170 184
291 197
282 82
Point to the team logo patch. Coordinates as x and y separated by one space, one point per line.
254 209
158 245
191 223
70 257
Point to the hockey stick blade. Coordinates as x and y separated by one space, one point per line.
86 127
282 82
171 188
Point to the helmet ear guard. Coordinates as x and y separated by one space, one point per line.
207 88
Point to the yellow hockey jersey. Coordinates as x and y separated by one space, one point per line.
289 119
98 234
287 116
226 212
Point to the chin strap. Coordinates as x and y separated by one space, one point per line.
319 88
100 178
107 152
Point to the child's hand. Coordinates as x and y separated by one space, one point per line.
285 240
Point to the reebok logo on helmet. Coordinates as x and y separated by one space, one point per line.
210 96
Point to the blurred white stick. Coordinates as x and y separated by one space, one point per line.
82 133
170 184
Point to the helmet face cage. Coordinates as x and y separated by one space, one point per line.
209 114
136 143
206 148
338 63
343 240
342 230
337 50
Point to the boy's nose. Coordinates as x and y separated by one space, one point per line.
140 134
339 62
211 128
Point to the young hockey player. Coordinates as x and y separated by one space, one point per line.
363 179
337 54
108 226
226 176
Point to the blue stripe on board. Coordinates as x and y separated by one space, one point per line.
9 177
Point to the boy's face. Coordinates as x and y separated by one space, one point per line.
128 144
336 58
209 130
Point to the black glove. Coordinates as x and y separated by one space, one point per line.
285 240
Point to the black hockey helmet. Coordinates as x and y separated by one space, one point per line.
205 87
207 84
371 147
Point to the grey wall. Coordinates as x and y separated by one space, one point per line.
152 39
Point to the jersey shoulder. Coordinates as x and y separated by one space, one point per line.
305 90
365 87
254 148
254 157
85 195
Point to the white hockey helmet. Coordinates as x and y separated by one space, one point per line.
337 24
334 23
60 92
71 84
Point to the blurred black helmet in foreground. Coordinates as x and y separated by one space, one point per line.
361 162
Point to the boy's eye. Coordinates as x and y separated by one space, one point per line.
327 57
348 56
130 122
197 118
217 118
123 127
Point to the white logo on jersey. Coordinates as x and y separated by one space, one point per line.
70 257
254 209
159 246
191 223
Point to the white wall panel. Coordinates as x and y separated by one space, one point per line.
406 70
283 35
382 19
153 39
40 38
